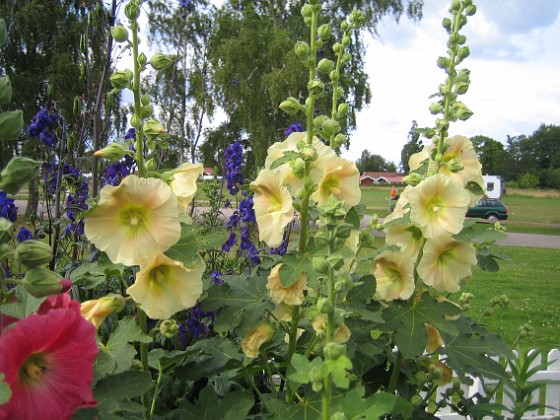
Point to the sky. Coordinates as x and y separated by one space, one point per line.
514 64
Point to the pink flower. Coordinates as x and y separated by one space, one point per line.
48 361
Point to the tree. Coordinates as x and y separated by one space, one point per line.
374 163
412 146
491 153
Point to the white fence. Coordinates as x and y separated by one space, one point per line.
548 394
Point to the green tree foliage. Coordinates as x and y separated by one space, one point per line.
182 91
492 155
413 145
255 64
374 163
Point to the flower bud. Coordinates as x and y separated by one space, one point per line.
436 108
307 11
443 62
6 230
342 334
336 47
95 311
3 32
132 10
339 140
298 167
136 121
142 59
470 10
461 88
19 171
121 79
83 43
455 165
161 61
315 87
321 238
325 65
41 282
83 71
345 40
5 90
335 261
463 113
290 106
455 5
145 99
153 128
333 350
463 52
169 328
342 109
308 153
119 33
330 126
302 49
413 178
447 24
33 253
11 124
315 376
320 265
343 231
324 31
113 152
151 164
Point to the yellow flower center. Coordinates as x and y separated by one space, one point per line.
158 275
134 217
33 369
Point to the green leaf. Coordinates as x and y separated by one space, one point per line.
294 265
123 385
25 304
407 322
160 358
233 406
339 369
239 303
118 355
299 369
469 352
5 391
355 406
354 215
359 300
471 231
286 157
195 238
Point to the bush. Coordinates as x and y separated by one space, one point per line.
529 181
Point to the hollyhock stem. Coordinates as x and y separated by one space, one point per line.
142 323
326 392
137 104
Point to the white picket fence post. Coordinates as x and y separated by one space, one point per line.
551 396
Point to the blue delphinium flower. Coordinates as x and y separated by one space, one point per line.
8 209
283 247
115 172
215 276
184 3
248 245
233 167
198 324
231 241
24 234
130 134
297 127
42 126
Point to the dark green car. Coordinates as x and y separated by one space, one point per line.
491 209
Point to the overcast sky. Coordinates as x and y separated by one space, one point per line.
515 74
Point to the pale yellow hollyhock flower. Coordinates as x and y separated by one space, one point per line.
255 338
394 275
416 160
134 220
276 151
292 295
340 178
272 205
342 334
461 150
407 237
438 206
95 311
183 182
164 286
446 262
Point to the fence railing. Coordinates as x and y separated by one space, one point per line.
547 394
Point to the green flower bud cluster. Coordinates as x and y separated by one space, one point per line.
19 171
41 282
33 253
119 33
121 79
5 90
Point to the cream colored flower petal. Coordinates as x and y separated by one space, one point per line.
339 178
272 205
446 262
438 206
184 180
134 220
394 276
293 295
164 287
407 237
416 160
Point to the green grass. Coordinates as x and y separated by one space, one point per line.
531 280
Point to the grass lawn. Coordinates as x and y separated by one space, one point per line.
531 280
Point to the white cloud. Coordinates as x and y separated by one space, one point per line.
514 72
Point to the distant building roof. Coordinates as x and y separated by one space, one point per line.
383 177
